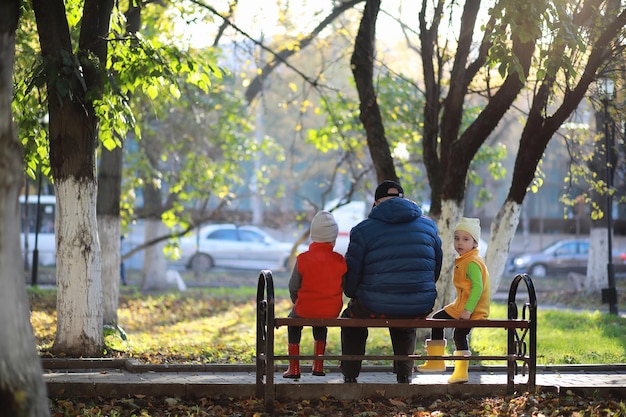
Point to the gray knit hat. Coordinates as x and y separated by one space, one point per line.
324 227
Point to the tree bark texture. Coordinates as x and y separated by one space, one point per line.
502 232
458 149
432 107
108 217
109 226
363 69
79 287
22 389
597 272
109 192
154 271
73 83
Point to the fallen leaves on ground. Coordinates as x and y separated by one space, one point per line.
543 404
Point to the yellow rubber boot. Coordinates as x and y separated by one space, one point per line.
434 348
459 376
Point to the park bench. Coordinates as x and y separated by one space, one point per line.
521 327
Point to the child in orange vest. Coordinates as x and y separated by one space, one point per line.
471 281
315 287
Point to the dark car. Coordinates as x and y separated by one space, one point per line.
562 256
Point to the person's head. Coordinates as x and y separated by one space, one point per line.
386 190
324 228
466 235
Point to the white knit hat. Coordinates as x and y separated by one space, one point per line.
471 226
324 227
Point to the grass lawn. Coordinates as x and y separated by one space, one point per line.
214 324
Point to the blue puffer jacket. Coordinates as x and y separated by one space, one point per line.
394 259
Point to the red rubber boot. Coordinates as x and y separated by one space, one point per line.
294 365
318 350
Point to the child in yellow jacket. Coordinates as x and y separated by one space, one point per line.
471 282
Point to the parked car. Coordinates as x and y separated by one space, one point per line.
232 246
562 256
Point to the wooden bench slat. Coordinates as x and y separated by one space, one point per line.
402 323
400 357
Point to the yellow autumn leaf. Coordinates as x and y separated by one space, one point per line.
152 91
174 91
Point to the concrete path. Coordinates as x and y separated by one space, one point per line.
113 377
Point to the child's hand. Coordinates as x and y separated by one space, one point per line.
465 315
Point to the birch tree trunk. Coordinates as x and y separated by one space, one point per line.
502 232
597 272
109 234
108 208
79 287
451 212
74 81
22 388
154 273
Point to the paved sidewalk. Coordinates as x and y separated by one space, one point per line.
90 378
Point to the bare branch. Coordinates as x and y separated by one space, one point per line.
281 56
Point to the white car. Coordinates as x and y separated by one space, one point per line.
232 246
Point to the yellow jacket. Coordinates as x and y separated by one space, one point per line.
463 285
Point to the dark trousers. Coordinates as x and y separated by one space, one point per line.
460 336
294 333
353 340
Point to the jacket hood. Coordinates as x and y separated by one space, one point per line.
396 210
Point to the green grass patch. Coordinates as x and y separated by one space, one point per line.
218 325
563 337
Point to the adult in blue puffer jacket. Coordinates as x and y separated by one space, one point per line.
394 260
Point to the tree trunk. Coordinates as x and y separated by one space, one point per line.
538 131
502 232
79 269
597 272
449 150
108 206
108 215
22 388
154 273
109 233
363 68
154 276
451 212
73 142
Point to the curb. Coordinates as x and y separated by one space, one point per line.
89 378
